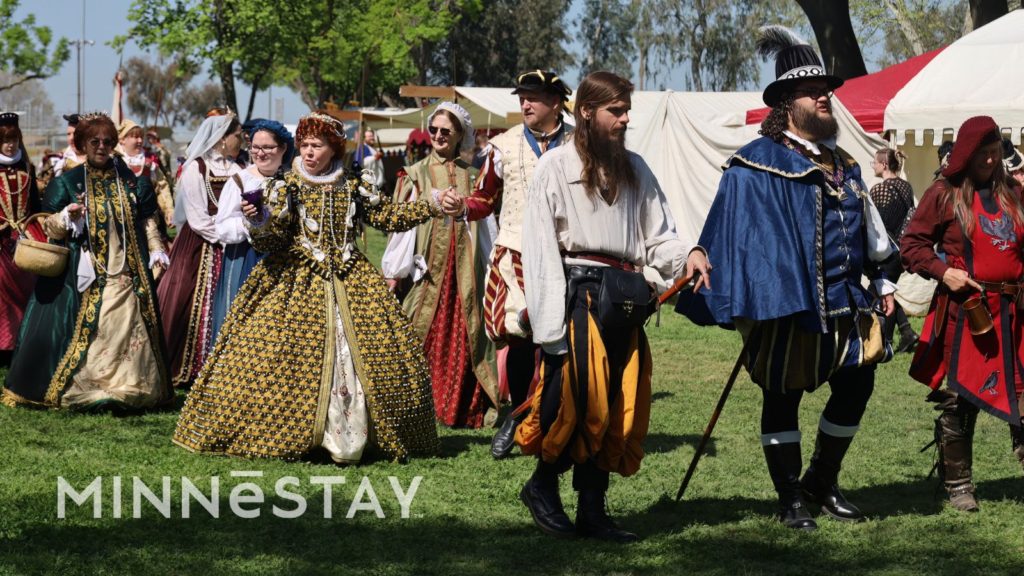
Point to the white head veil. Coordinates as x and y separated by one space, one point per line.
463 115
210 132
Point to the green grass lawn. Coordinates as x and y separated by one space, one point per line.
466 517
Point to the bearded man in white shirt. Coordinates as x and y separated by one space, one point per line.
596 232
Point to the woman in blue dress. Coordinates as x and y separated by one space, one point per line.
271 149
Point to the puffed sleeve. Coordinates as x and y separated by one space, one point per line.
193 194
230 222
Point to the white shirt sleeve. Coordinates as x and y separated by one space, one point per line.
230 222
493 154
543 274
663 249
194 198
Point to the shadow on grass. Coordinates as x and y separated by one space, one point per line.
675 543
455 443
660 443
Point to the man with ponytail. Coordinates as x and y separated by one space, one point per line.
791 231
971 337
595 211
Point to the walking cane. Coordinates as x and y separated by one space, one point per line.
714 417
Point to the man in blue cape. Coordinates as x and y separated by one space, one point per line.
791 231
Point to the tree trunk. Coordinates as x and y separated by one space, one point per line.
899 11
227 82
833 29
985 11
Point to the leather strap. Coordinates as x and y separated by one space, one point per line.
605 259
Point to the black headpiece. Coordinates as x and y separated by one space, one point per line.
542 81
9 119
795 61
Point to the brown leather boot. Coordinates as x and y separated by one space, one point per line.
1017 440
956 442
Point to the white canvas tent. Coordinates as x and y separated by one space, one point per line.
979 74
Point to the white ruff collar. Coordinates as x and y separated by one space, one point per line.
336 171
9 160
136 160
813 147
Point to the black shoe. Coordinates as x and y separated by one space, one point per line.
505 438
831 500
908 342
592 521
794 514
546 508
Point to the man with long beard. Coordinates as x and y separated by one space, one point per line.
791 231
595 218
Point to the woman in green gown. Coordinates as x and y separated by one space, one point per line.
91 336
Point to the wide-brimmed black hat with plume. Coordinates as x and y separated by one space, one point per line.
795 61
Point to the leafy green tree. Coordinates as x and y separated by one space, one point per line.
158 92
499 39
25 52
606 32
908 28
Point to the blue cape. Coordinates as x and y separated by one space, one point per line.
763 238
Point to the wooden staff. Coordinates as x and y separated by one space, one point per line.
714 417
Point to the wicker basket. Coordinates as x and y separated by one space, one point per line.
37 257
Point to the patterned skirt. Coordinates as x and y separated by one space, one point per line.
266 388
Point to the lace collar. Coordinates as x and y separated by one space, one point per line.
335 173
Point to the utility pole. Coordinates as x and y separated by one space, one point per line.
78 52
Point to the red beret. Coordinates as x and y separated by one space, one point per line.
974 133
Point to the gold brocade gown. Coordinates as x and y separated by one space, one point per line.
274 371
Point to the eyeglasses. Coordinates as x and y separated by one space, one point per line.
108 142
263 149
446 132
815 93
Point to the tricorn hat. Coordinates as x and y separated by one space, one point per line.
542 81
795 61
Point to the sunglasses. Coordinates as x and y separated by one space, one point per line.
108 142
446 132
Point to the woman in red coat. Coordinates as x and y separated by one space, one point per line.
972 336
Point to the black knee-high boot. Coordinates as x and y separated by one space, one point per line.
784 463
821 481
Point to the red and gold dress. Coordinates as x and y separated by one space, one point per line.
19 199
445 304
984 368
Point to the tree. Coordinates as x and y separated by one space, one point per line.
833 28
162 93
363 49
29 98
494 43
908 28
236 38
25 52
606 32
831 21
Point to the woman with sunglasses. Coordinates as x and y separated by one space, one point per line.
91 336
445 301
186 292
316 355
271 150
